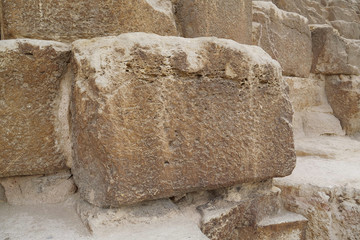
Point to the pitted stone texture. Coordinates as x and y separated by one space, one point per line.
343 93
31 73
229 19
334 54
70 20
283 35
156 117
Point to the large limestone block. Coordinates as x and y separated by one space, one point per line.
67 21
334 54
219 18
32 106
283 35
343 93
155 117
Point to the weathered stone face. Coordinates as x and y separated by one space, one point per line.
343 94
159 116
334 54
70 20
31 73
229 19
283 35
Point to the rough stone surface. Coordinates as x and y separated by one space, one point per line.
334 54
323 11
159 116
313 116
154 220
241 207
313 10
283 35
67 21
282 226
31 81
229 19
349 30
343 93
38 189
325 187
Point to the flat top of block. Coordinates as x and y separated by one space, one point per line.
281 218
326 161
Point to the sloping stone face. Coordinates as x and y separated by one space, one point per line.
285 36
31 72
70 20
334 54
229 19
155 117
343 94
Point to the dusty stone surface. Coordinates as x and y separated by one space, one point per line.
31 78
229 19
334 54
322 11
44 221
282 226
283 35
33 190
314 11
343 93
160 219
313 116
169 115
349 30
240 207
67 21
325 187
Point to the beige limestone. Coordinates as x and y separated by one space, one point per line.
349 30
325 187
156 117
31 82
322 11
229 19
343 93
284 36
153 220
40 189
67 21
313 116
334 54
313 10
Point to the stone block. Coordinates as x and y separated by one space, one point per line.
334 54
67 21
343 94
32 78
229 19
284 36
155 117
